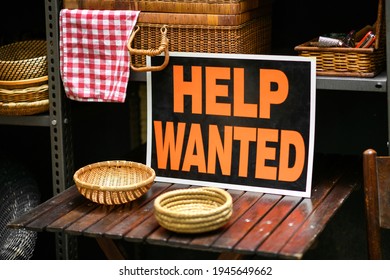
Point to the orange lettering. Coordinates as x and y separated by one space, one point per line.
181 88
195 150
174 148
269 96
224 151
242 109
264 153
213 90
244 135
290 138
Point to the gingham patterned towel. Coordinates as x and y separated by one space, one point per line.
94 59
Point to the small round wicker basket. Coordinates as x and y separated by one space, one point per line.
114 182
23 60
194 210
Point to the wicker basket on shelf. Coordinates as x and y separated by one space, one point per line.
24 78
219 26
22 84
24 108
194 210
114 182
168 6
24 97
350 62
23 60
28 94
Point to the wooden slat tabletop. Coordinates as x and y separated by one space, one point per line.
262 224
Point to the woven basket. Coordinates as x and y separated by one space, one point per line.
350 62
252 37
194 210
23 60
25 95
218 26
167 6
114 182
22 84
24 108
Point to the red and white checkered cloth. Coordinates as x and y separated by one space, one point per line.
94 59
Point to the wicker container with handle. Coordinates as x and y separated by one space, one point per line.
350 62
227 7
224 26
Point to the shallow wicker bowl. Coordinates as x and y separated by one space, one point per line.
114 182
194 210
23 60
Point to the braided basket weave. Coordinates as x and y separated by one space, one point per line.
350 62
24 108
22 84
194 210
23 60
114 182
25 95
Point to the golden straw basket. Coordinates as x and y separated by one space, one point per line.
22 84
350 62
24 108
218 26
168 6
193 210
23 60
114 182
25 95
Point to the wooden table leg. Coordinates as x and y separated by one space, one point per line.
230 256
110 249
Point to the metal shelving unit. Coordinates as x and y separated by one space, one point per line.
41 120
376 84
57 121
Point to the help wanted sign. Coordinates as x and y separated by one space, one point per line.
233 121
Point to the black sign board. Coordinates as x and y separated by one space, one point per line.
233 121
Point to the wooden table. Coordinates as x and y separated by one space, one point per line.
268 225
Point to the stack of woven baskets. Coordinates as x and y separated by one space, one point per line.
24 78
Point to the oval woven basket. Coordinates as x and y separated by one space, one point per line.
22 84
114 182
24 108
23 60
194 210
25 95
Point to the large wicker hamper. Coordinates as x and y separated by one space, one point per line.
221 26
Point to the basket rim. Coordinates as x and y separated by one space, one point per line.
125 163
24 108
25 94
40 88
307 47
27 59
199 190
23 83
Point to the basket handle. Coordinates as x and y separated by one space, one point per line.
150 52
378 23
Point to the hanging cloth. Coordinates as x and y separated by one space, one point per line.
94 60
